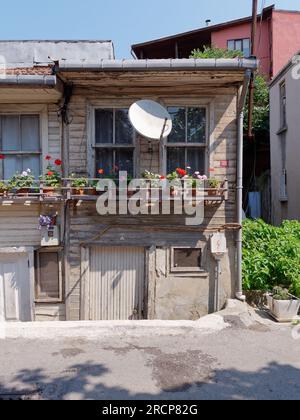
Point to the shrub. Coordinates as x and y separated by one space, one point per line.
213 52
271 256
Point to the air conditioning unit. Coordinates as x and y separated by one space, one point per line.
50 236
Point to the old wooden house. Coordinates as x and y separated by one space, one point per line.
59 258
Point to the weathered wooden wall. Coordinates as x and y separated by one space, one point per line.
85 225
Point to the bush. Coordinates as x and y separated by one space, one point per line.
271 256
213 52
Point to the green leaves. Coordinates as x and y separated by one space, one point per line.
271 256
212 52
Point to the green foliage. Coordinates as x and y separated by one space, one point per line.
281 294
3 186
213 52
261 110
78 182
271 256
21 181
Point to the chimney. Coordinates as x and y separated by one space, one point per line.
208 22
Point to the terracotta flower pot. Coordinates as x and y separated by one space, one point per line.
213 192
3 193
23 192
78 191
51 191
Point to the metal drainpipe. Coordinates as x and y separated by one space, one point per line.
239 287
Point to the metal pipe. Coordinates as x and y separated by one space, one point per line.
252 86
240 142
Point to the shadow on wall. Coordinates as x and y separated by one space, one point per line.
83 381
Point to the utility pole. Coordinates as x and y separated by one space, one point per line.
251 87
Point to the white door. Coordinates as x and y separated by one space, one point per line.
116 283
15 296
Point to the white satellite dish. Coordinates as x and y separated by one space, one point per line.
150 119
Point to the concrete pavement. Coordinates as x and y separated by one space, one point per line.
246 356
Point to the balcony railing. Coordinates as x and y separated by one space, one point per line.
40 192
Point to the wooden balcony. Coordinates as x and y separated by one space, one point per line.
66 192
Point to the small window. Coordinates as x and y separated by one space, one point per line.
48 276
283 121
114 142
243 45
186 260
20 144
186 146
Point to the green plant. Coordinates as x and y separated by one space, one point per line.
213 183
213 52
52 177
3 186
19 181
281 294
261 110
78 182
271 256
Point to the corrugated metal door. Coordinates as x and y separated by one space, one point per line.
117 283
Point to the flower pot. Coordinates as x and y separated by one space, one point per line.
24 192
3 193
51 191
91 191
212 192
283 310
78 191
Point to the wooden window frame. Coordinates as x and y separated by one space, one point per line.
28 110
242 40
111 146
186 145
59 251
174 269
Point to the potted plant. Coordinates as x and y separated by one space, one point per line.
21 183
52 178
213 187
79 185
283 306
3 189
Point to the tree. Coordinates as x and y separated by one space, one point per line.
213 52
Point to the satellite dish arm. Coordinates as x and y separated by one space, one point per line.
163 129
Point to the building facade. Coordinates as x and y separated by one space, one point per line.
278 38
62 260
285 149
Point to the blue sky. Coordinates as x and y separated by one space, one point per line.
124 21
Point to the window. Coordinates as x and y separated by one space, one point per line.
20 144
48 276
283 121
114 141
186 146
186 260
240 45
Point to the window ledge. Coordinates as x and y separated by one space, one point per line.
282 130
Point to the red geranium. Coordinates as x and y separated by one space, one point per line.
162 177
181 172
101 171
48 157
2 157
58 162
50 173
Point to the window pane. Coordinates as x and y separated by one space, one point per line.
196 125
11 165
48 275
104 160
30 133
10 133
124 130
187 258
32 163
238 45
196 159
230 45
124 161
246 47
104 126
175 158
179 125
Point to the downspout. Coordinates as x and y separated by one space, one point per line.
239 241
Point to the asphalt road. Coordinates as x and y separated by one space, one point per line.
260 361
